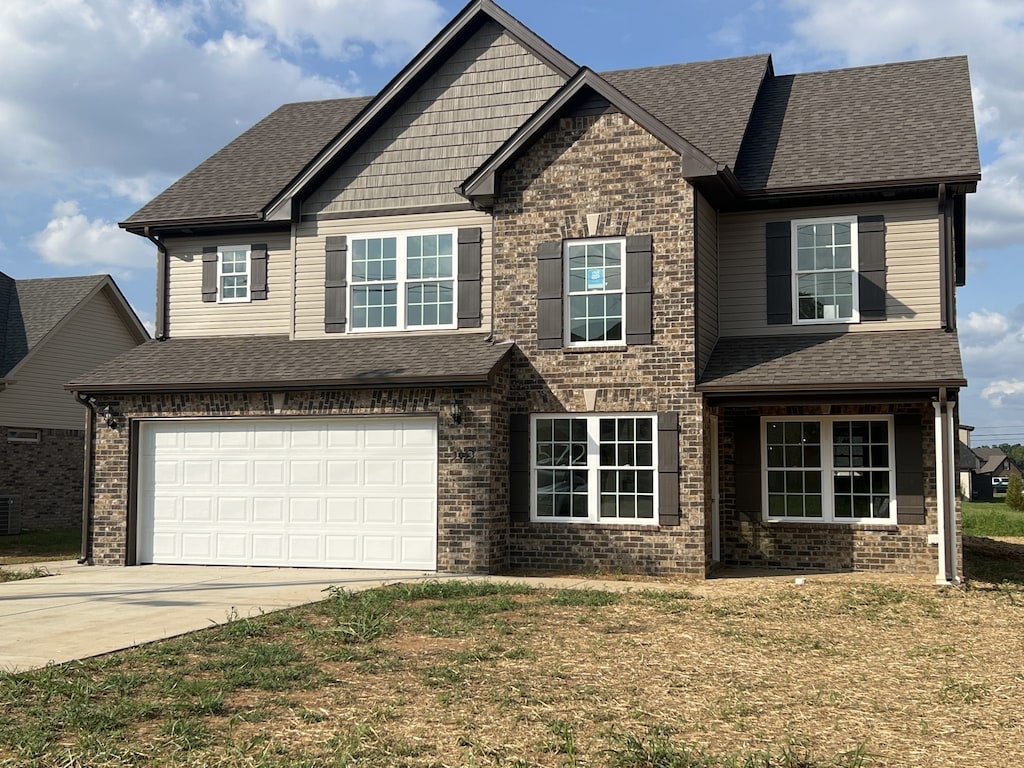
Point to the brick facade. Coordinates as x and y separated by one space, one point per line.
605 165
46 475
825 546
471 491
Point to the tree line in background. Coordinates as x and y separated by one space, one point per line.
1015 452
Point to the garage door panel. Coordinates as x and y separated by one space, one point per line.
344 492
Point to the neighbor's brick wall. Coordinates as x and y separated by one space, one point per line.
47 475
469 508
822 546
604 165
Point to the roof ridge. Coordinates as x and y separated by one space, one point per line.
884 65
685 64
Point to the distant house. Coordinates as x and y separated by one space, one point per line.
995 463
51 330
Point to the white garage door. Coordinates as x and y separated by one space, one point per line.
353 493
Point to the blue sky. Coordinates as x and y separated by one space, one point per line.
105 102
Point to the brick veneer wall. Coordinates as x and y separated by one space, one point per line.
471 504
604 165
47 476
823 546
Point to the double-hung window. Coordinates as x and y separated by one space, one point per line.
825 285
830 469
402 281
233 272
594 468
595 272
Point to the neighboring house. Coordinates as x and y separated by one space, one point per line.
513 313
968 463
51 330
993 463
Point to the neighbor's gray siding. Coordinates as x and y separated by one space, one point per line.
189 315
707 280
311 238
912 268
448 127
95 334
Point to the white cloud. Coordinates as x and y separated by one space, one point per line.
986 323
998 390
72 239
339 29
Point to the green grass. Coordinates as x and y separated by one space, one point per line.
40 546
991 518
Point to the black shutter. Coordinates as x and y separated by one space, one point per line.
210 273
638 289
747 458
668 468
258 272
470 243
335 284
909 470
519 467
871 266
549 295
778 273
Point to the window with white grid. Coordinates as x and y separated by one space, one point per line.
233 273
825 270
596 291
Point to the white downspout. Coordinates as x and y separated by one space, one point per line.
940 490
954 574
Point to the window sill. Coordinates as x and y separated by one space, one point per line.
583 350
831 526
631 526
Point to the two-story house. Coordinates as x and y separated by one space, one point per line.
513 313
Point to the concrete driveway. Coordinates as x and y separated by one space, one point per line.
84 611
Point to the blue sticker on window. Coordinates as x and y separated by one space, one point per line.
595 279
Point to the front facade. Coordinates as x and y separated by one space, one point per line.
580 321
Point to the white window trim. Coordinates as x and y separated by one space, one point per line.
220 275
402 280
827 456
566 316
854 266
23 435
593 468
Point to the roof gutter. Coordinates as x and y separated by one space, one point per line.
743 390
162 275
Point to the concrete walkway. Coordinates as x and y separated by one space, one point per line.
82 611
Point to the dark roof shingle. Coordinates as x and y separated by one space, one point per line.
258 362
243 177
708 103
852 362
34 307
851 127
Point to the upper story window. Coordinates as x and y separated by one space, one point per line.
825 270
833 470
403 281
596 291
233 272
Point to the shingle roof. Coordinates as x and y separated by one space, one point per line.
850 127
243 177
992 463
851 362
34 307
708 103
258 362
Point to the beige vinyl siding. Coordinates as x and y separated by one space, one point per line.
707 280
911 256
189 315
37 399
309 259
447 128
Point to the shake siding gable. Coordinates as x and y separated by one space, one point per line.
190 315
311 239
448 127
911 274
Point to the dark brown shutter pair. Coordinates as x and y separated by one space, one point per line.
870 269
668 468
909 468
550 313
470 242
257 272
